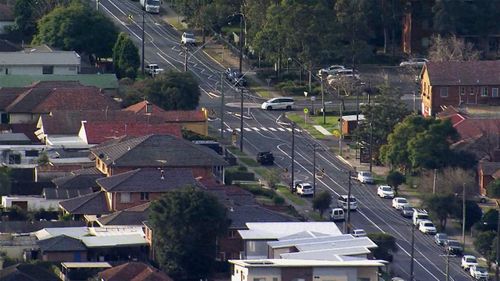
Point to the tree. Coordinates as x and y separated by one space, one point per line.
395 179
186 225
489 221
386 245
79 28
272 176
5 181
449 181
473 212
451 49
484 244
493 189
125 57
43 158
441 207
321 202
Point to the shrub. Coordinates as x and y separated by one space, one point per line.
493 189
278 200
238 174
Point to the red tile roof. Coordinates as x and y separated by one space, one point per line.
464 73
101 131
133 271
169 116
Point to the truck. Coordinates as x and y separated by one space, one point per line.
151 6
153 69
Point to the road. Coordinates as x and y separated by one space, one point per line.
263 133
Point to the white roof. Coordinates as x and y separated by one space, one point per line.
307 263
353 117
329 254
275 230
86 265
40 58
66 140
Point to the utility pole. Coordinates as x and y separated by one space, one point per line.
142 65
241 121
340 137
314 169
348 224
498 245
293 155
241 38
370 148
186 51
221 106
434 182
412 252
323 99
463 214
357 115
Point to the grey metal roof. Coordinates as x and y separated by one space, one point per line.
132 216
61 243
357 242
90 204
63 193
330 254
300 239
40 58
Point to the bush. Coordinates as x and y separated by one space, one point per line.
386 246
259 191
322 202
238 175
493 189
278 200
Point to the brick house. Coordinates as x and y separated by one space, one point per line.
459 84
488 172
136 271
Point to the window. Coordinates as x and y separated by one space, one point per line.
462 91
15 158
484 91
471 91
31 153
144 196
443 92
125 197
48 69
494 92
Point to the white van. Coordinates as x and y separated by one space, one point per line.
337 214
419 215
342 202
278 103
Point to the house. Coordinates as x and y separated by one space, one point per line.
487 172
341 268
81 270
30 203
154 151
134 216
133 271
192 120
349 123
40 62
6 17
27 272
107 82
62 248
459 84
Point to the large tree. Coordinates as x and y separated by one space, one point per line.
125 57
185 226
79 28
386 245
451 49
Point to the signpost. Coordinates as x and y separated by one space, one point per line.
305 114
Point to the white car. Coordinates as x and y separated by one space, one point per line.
478 272
365 177
385 191
359 232
415 62
278 103
153 69
342 202
468 261
427 227
342 74
188 38
399 202
332 69
304 189
337 214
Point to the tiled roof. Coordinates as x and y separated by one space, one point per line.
79 181
87 171
26 272
61 243
464 73
148 180
8 95
489 168
102 81
24 227
170 115
133 271
27 129
63 193
146 151
132 216
101 131
472 128
90 204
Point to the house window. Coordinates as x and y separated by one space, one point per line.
72 68
149 108
494 92
462 91
259 279
471 91
145 196
125 197
484 91
15 158
443 92
48 69
31 153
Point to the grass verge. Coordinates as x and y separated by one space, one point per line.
331 123
283 190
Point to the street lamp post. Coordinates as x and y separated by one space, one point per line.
241 42
498 244
221 106
241 121
463 214
142 64
323 99
348 213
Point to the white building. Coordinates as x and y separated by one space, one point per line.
30 203
40 63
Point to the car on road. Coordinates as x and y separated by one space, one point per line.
407 211
414 62
440 238
265 158
235 77
278 103
304 189
385 191
419 214
153 69
342 75
453 247
337 214
342 202
399 202
365 177
359 232
188 38
468 261
332 69
479 272
427 227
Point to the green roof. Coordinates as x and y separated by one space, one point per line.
103 81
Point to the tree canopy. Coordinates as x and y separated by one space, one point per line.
185 226
386 245
322 201
126 58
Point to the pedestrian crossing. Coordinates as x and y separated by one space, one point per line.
261 129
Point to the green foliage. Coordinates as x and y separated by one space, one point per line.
493 189
395 179
43 159
441 207
5 181
489 221
386 245
278 200
192 136
259 191
272 176
232 174
24 17
473 212
484 244
16 214
186 225
126 58
322 201
77 27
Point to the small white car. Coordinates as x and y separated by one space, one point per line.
337 214
332 69
342 202
468 261
385 191
427 227
278 103
399 202
153 69
359 232
188 38
365 177
304 189
478 272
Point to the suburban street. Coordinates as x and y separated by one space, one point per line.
263 133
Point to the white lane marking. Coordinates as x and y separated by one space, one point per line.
247 129
272 129
237 130
255 129
264 129
290 129
281 129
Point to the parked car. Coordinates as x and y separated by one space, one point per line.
337 214
419 214
385 191
468 261
265 158
332 69
427 227
188 38
153 69
453 247
235 77
342 202
304 189
399 202
365 177
342 74
278 103
407 211
359 232
440 238
478 272
414 62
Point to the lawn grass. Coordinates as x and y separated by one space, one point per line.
283 190
316 217
236 152
331 123
248 161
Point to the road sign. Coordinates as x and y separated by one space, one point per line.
306 110
313 98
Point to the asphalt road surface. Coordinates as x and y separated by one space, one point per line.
263 133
